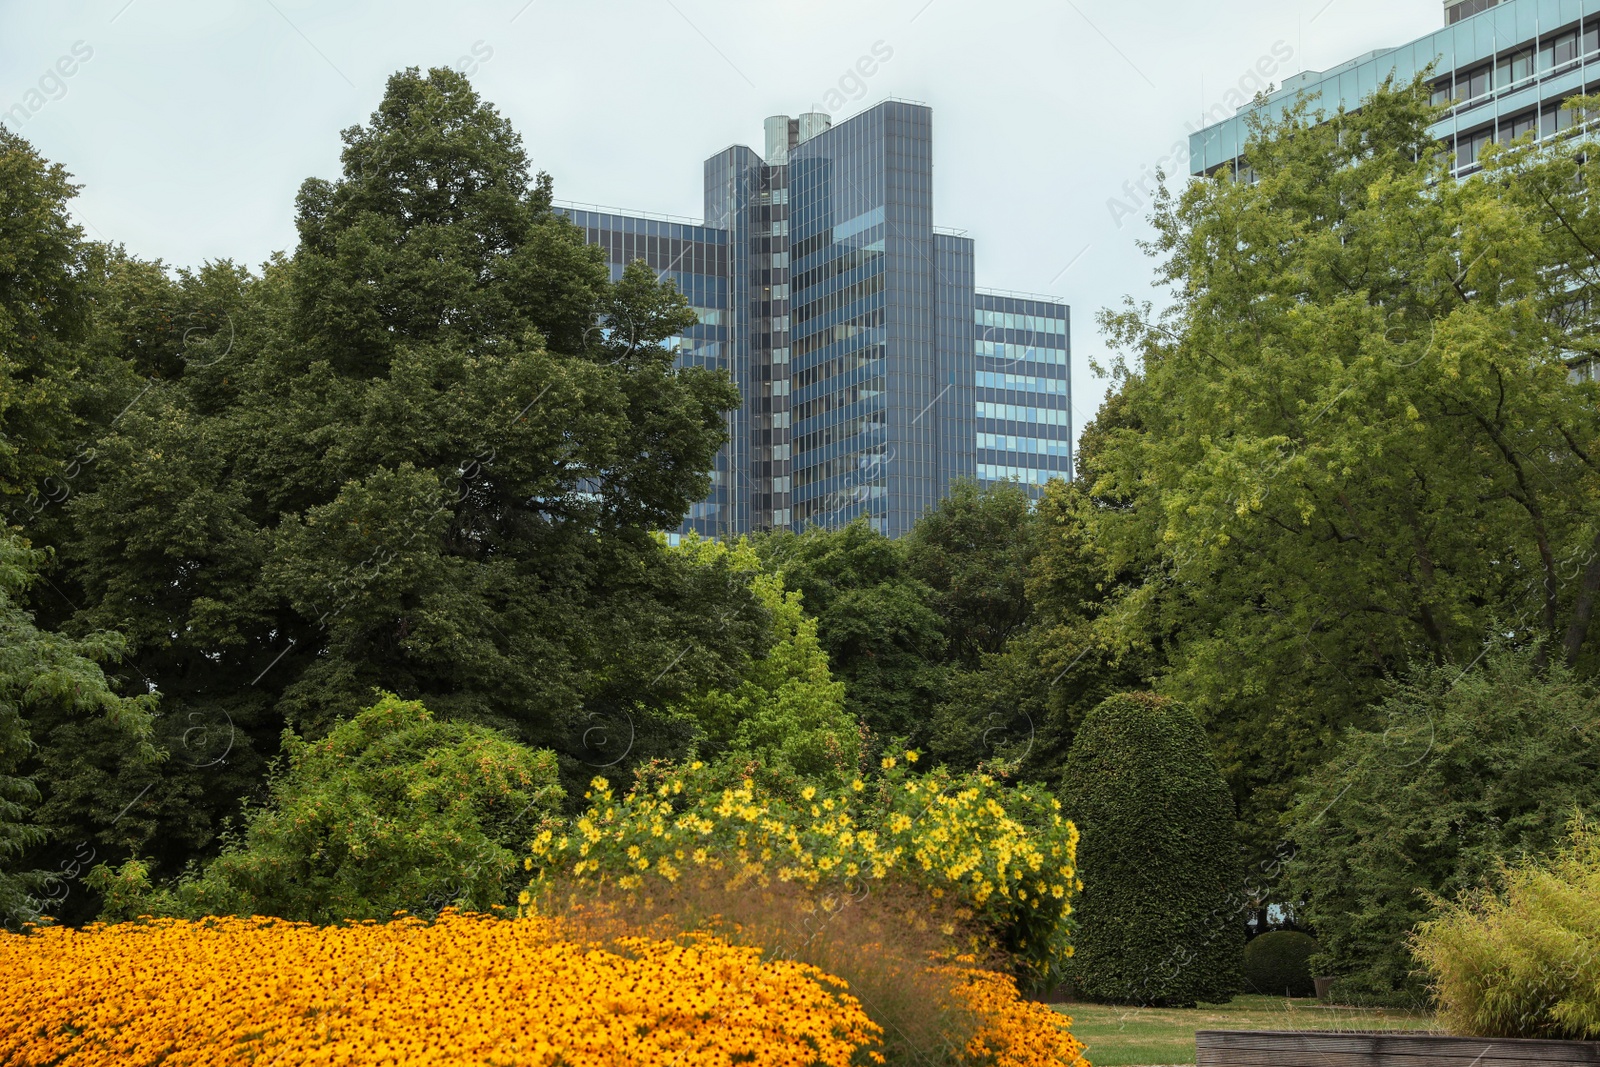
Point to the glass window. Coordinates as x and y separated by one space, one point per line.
1473 83
1514 67
1521 124
1443 90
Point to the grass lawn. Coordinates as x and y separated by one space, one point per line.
1119 1036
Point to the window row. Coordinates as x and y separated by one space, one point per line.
870 423
1511 67
1022 382
1033 446
1544 122
865 289
838 365
1020 413
1009 353
994 472
870 389
837 265
869 322
1005 320
862 468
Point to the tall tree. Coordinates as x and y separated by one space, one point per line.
429 457
1351 440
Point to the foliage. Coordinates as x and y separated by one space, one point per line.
1160 922
425 452
41 670
973 549
877 624
1524 961
392 810
1006 854
43 317
244 991
786 719
1351 441
1460 772
1279 962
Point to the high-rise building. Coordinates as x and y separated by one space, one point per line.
1503 66
873 371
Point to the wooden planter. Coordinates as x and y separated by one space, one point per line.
1390 1048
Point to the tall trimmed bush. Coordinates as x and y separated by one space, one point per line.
1159 921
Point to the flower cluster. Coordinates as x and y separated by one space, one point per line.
1012 1032
464 989
1006 852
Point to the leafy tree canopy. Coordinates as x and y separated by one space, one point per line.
1350 441
426 452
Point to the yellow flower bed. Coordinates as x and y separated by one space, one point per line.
465 989
1013 1032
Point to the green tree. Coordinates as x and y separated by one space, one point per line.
392 810
877 624
1350 441
41 670
786 721
1161 917
973 550
426 452
1459 773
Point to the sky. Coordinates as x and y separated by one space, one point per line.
191 123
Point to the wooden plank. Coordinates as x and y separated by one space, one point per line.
1374 1048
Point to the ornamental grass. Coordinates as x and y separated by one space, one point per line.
463 989
920 966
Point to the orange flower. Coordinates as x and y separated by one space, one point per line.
464 989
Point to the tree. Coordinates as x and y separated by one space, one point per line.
392 810
786 721
1458 774
1160 921
973 549
430 458
882 636
1350 441
39 669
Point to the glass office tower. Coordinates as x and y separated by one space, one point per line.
1023 384
873 372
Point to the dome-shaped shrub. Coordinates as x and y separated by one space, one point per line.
1278 963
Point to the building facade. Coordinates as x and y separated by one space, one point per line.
1503 67
873 371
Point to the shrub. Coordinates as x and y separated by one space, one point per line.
1158 922
1458 774
465 989
1278 962
1005 853
1524 961
391 810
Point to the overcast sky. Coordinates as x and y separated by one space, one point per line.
191 124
